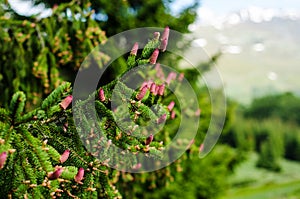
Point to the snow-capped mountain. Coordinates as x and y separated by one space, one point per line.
260 49
251 14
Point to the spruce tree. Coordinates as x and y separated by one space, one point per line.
43 156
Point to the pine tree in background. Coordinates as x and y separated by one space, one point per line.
118 15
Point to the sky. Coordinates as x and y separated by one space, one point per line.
227 6
223 7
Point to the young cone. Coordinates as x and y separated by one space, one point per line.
171 105
165 35
173 114
162 119
3 157
79 175
134 49
66 102
153 89
64 156
101 95
149 139
142 93
54 175
154 56
161 90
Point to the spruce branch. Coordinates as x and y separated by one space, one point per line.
51 157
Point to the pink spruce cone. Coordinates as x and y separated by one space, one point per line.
3 157
153 89
55 6
171 76
101 95
79 175
156 35
109 142
164 39
65 127
54 175
173 114
165 35
190 143
154 56
159 72
198 112
180 77
66 102
171 105
161 90
134 49
149 139
142 93
162 119
201 147
137 166
163 45
146 84
143 85
64 156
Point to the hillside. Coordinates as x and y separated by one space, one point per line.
258 57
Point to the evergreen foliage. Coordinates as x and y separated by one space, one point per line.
269 127
42 154
118 15
37 54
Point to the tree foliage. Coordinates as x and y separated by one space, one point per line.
37 55
41 153
285 106
118 15
35 145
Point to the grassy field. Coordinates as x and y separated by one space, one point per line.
250 182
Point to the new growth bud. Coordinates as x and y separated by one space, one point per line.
54 175
164 39
162 119
142 92
190 143
171 105
159 72
64 156
66 102
154 56
156 35
79 175
134 49
180 77
165 35
101 95
161 90
137 166
3 157
163 45
173 114
198 112
149 139
201 147
153 89
171 76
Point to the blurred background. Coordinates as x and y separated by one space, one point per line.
253 44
